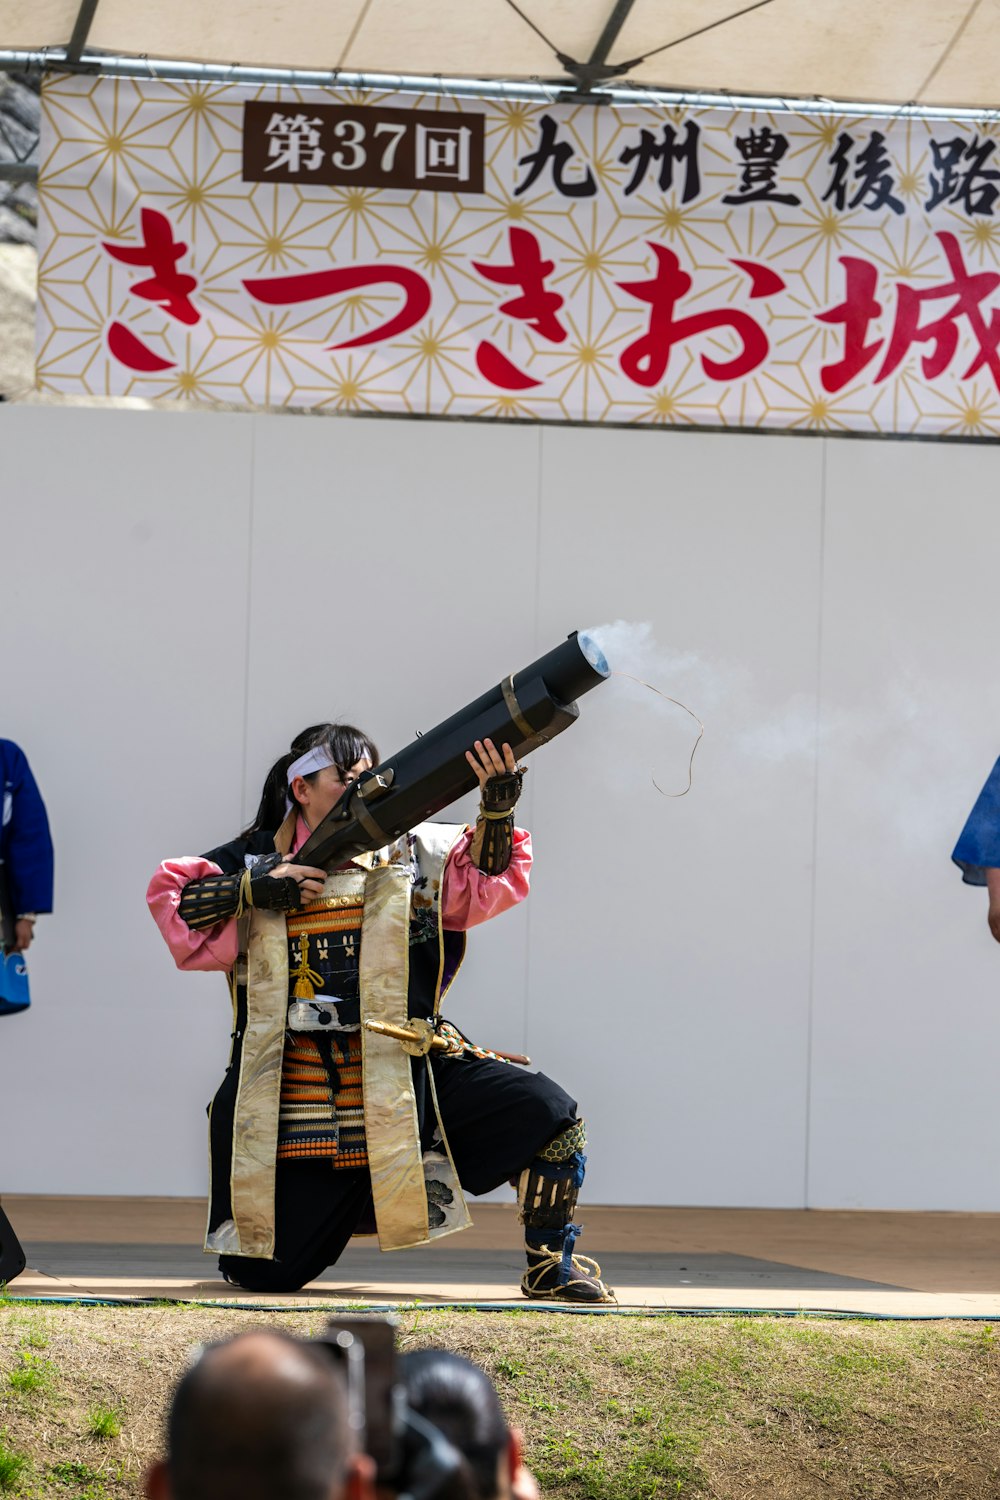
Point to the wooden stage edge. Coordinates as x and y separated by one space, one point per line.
911 1264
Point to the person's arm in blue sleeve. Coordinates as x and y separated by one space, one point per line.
977 852
28 844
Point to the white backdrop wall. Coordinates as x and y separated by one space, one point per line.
774 992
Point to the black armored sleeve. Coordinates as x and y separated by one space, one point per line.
493 841
216 898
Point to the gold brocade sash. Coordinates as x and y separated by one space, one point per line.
264 950
391 1125
405 1180
255 1123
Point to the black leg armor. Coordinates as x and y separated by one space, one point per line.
547 1195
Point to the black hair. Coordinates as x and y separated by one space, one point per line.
458 1398
346 744
244 1430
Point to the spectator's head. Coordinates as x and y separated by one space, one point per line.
458 1398
260 1416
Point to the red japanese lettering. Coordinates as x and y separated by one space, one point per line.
859 307
495 367
646 359
159 252
969 290
129 350
764 280
536 306
306 286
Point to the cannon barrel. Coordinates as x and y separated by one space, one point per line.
525 710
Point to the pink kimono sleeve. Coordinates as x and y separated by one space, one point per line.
213 947
469 897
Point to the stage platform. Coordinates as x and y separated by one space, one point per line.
684 1259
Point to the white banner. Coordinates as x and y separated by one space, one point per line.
333 249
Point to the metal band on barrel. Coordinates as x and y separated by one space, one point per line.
514 708
360 811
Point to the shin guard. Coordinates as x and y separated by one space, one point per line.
547 1195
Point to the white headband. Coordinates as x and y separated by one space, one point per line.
313 760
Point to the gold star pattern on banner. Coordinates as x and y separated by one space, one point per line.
657 242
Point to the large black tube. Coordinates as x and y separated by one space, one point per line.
525 710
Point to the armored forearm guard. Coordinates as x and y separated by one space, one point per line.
493 840
216 898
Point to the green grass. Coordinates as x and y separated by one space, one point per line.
12 1466
72 1472
612 1408
662 1460
84 1482
31 1375
104 1423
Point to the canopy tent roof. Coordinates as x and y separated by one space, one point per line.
934 53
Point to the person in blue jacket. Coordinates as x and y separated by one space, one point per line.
977 852
25 851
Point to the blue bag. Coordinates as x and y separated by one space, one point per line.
14 992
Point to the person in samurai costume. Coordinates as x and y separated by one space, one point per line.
977 852
322 1128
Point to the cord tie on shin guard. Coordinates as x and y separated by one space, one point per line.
561 1276
571 1234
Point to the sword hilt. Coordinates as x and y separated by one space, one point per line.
419 1037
